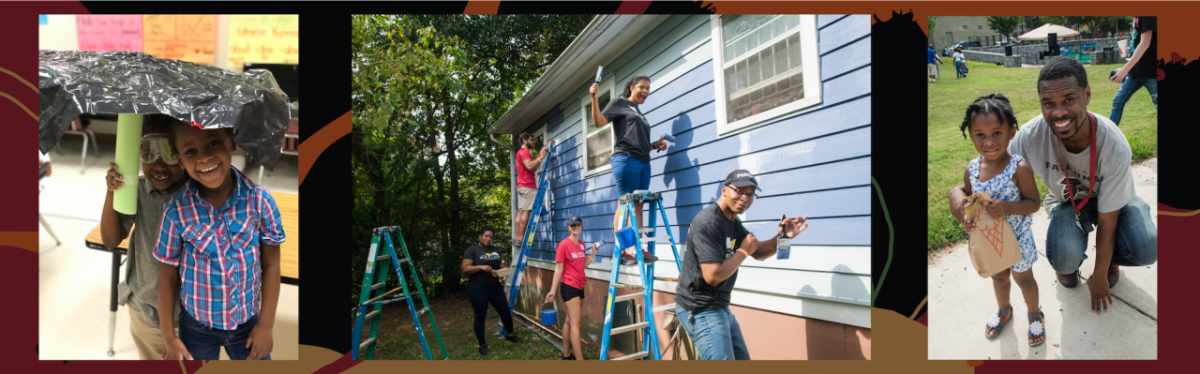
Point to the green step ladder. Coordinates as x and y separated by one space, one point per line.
646 325
377 265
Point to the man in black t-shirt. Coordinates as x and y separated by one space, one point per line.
717 243
1142 67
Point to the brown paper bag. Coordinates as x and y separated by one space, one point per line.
993 245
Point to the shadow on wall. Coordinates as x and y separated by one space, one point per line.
690 177
835 341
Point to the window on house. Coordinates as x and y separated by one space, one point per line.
598 144
767 67
964 27
980 28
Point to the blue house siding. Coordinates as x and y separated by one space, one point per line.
814 163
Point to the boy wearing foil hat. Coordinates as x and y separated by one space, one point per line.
717 243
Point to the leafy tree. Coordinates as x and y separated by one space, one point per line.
425 90
1003 25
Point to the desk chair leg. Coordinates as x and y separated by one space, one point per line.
94 145
47 225
112 318
83 158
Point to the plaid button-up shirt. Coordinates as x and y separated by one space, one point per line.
217 252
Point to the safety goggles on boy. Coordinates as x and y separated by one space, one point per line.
155 146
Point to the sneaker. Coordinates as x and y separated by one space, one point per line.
1113 276
1069 280
629 260
483 351
571 357
512 338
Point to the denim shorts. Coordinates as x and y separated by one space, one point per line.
631 174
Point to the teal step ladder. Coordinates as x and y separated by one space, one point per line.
527 242
628 237
378 265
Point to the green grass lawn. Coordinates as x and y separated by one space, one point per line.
398 339
949 152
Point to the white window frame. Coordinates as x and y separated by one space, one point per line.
606 85
811 70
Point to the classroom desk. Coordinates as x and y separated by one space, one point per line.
95 241
289 211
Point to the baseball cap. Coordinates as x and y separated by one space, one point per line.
575 220
741 178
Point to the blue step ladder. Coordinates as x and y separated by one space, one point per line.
627 237
527 242
378 266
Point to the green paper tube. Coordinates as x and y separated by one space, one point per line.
129 141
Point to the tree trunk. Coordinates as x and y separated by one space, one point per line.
451 283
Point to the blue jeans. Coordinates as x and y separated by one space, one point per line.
1128 87
960 67
631 174
1136 237
204 343
715 333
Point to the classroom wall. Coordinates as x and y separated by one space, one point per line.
816 163
60 34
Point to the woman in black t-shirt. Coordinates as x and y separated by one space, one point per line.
484 287
631 153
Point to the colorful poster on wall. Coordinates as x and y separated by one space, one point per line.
271 39
185 37
109 32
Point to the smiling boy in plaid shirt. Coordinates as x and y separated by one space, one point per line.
221 238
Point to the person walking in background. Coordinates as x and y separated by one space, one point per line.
932 61
1142 68
960 64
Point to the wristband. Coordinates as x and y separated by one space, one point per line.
743 251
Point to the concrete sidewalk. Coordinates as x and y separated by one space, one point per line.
960 303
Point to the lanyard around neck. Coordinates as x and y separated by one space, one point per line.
1091 170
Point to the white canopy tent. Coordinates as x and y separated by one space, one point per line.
1042 33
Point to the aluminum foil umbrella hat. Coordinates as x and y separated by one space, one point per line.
73 83
130 85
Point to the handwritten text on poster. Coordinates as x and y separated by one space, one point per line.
109 32
264 39
186 37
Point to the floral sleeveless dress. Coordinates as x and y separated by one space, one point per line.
1001 187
